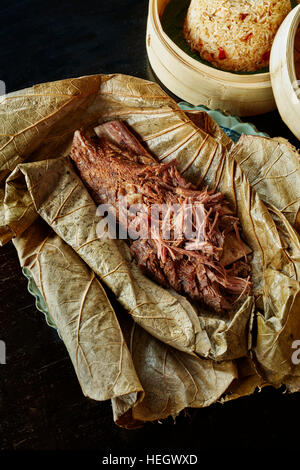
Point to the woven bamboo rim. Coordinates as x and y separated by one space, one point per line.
198 83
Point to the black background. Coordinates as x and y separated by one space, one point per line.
41 404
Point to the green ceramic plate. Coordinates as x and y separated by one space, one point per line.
231 125
39 300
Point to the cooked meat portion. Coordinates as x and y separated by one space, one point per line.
181 237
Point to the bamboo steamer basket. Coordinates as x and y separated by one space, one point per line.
197 83
285 70
244 95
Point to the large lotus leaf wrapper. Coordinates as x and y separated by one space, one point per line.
149 349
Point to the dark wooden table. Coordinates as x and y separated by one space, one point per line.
41 404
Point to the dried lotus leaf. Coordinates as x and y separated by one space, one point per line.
82 314
205 122
172 379
203 158
272 167
71 212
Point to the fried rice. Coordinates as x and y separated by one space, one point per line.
235 35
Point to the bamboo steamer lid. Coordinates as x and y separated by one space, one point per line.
244 95
285 70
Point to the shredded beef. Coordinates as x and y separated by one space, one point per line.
212 266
